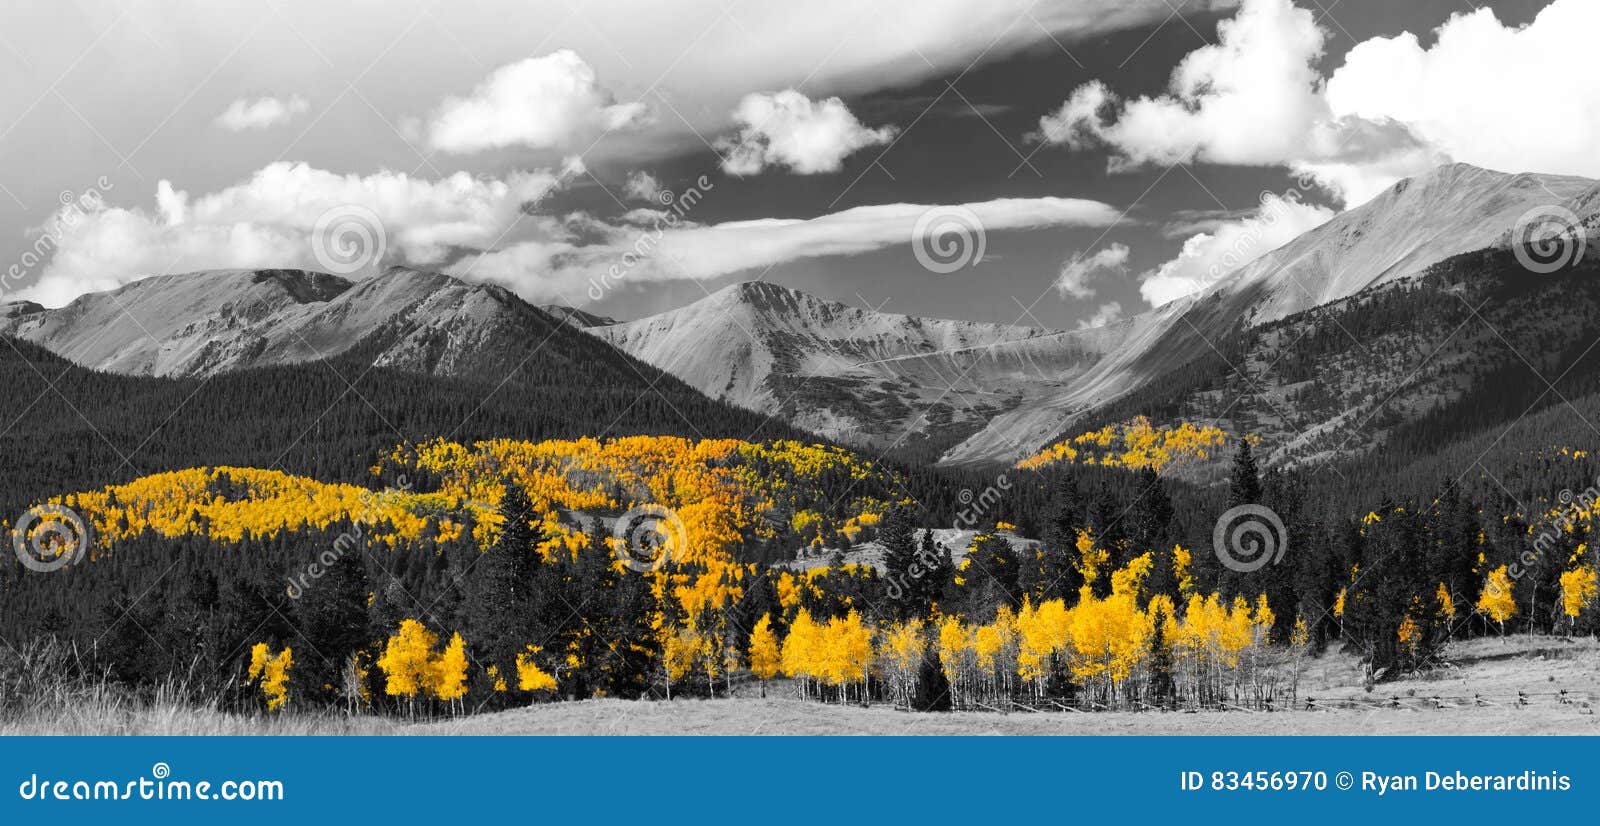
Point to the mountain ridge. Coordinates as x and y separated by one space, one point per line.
845 372
961 392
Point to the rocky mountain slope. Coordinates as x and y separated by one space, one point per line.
1414 225
975 393
206 323
861 376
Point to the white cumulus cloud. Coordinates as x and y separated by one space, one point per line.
1076 275
1254 98
1248 99
1108 313
789 129
1486 93
261 113
1208 257
269 219
1498 96
549 102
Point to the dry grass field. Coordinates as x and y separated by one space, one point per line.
1477 693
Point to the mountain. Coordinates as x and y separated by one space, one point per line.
1408 228
1416 224
72 428
208 323
857 375
1395 377
576 317
961 392
970 393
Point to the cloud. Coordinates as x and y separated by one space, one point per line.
1109 313
1254 98
1485 93
1077 273
788 129
270 220
549 102
1392 110
643 186
1210 256
562 265
1248 99
261 113
1502 97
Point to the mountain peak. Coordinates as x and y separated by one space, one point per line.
759 292
1468 180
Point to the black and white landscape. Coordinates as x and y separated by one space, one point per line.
512 368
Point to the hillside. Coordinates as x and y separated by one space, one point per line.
1400 369
1416 224
72 428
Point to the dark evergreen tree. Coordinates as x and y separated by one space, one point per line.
331 613
940 575
1244 485
1163 688
1153 532
903 569
1055 571
991 576
502 607
933 688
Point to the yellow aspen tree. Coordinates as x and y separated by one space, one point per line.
530 677
1446 603
986 643
1579 587
1496 601
1409 635
259 654
448 673
1182 562
1043 633
1263 678
1299 648
766 658
271 672
854 659
900 651
407 659
955 656
275 679
800 650
1090 556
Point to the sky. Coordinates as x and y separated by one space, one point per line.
1058 163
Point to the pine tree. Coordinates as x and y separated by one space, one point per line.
1244 486
1153 532
933 687
936 583
991 572
1163 689
901 567
502 609
332 614
1055 573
